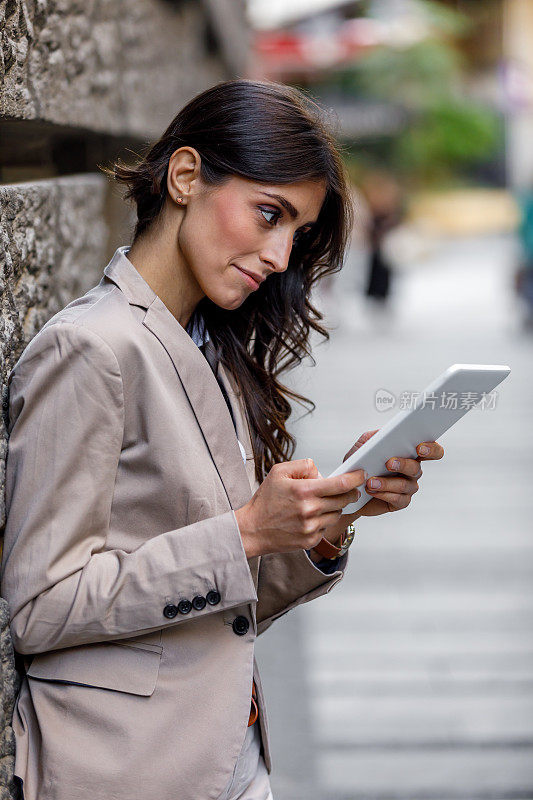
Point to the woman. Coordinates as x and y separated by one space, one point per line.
156 524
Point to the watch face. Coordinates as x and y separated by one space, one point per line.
350 531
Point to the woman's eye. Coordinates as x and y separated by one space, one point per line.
272 213
272 216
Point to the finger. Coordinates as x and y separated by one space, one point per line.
430 450
407 466
340 484
325 521
394 499
395 485
350 517
339 501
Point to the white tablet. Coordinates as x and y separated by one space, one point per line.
448 398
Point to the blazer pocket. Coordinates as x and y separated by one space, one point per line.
121 666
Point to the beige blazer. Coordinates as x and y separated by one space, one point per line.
130 593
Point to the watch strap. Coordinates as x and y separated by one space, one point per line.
327 549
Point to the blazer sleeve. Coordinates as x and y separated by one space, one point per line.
63 585
326 565
287 580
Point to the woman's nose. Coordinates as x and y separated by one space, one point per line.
277 254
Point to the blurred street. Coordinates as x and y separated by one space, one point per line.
413 679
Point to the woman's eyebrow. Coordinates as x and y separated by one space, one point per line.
284 202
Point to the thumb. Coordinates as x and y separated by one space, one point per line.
367 435
363 439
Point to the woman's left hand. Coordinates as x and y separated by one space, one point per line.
393 494
396 491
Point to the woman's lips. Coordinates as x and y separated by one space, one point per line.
248 278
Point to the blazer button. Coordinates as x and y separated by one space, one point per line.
184 606
170 611
240 626
198 602
212 597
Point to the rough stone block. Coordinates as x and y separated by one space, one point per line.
54 244
115 66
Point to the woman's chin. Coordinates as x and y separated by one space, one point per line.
229 302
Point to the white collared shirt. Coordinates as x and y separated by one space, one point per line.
200 336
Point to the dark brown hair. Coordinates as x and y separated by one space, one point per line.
270 133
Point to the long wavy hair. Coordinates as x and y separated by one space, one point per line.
271 133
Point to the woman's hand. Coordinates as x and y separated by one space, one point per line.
293 507
395 492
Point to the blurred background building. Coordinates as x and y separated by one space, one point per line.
436 97
413 679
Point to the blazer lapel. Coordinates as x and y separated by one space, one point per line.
235 398
196 377
243 433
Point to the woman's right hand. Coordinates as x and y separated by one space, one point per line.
292 507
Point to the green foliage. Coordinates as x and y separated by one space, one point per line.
447 136
443 20
412 75
445 132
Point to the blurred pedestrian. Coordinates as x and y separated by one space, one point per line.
385 212
524 274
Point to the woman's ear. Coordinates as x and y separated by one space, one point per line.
183 170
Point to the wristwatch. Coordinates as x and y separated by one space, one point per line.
328 550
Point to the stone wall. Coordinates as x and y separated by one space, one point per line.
81 82
116 66
53 243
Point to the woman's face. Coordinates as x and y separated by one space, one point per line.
234 236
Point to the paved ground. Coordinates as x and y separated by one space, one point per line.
413 679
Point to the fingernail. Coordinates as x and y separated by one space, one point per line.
395 464
375 483
423 450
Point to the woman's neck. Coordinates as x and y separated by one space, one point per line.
159 262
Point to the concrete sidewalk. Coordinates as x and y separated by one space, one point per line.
420 663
